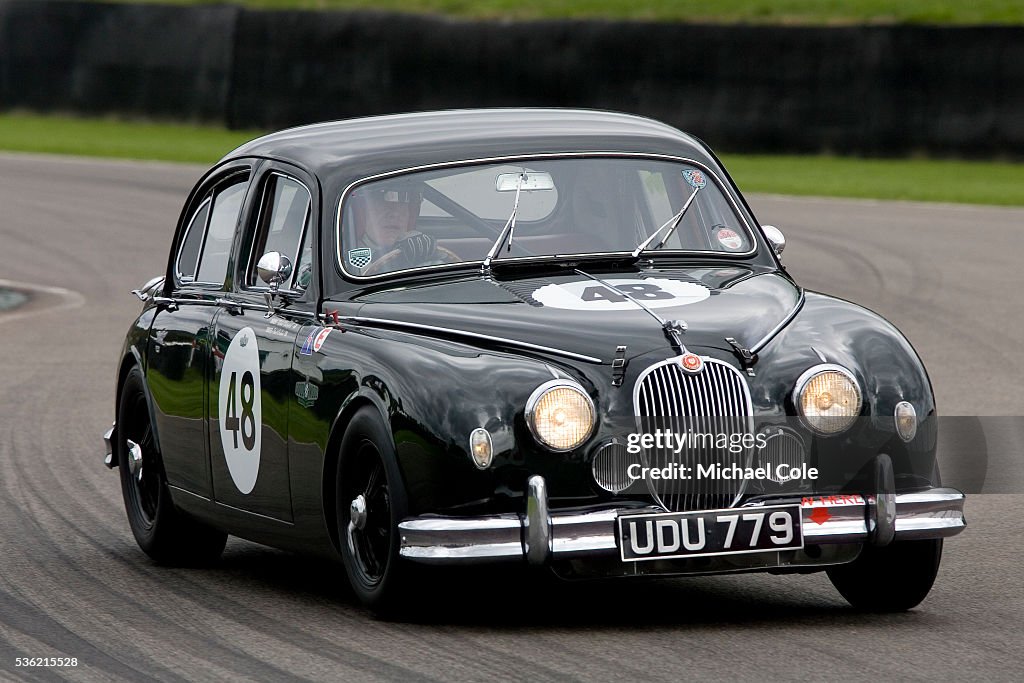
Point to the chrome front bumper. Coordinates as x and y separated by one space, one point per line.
540 536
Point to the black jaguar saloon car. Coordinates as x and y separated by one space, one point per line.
557 338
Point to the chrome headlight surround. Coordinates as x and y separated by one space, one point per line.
819 424
536 408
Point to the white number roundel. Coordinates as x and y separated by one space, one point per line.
241 413
590 295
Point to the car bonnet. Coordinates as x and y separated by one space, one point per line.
592 313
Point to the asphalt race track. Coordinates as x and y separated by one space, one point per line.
78 235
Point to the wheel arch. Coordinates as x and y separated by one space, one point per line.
332 453
133 359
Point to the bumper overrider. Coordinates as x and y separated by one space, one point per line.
541 536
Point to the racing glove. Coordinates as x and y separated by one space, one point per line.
417 248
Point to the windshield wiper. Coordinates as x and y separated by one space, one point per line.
674 222
506 232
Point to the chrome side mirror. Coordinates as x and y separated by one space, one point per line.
775 236
150 289
274 268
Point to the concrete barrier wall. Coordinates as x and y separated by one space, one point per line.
862 89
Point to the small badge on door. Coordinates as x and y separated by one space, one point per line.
307 346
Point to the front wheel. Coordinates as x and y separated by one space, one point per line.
371 502
893 578
163 533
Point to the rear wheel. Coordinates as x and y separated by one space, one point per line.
893 578
371 502
165 534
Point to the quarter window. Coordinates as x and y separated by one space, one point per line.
188 257
227 204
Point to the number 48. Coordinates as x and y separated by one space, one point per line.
638 290
247 423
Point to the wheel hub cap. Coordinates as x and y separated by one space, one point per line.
135 459
357 509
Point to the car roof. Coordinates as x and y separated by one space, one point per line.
352 149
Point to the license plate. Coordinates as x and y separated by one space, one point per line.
731 531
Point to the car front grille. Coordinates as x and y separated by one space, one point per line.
714 400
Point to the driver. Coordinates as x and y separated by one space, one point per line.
385 217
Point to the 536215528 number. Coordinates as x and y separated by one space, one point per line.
47 662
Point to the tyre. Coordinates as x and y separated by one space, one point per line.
371 501
165 534
893 578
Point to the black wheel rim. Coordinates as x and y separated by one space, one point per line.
144 478
370 546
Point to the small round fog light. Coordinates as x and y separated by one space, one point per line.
906 420
480 447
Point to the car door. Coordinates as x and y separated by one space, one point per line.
178 356
251 387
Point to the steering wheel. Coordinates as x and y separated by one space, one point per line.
388 261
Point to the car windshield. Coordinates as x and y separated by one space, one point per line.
567 206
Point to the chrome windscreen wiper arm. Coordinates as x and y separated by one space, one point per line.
673 329
674 222
506 232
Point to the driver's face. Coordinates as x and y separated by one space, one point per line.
389 215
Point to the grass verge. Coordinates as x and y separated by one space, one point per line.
117 139
928 180
729 11
970 182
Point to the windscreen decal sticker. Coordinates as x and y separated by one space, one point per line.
695 178
729 239
241 409
589 295
360 258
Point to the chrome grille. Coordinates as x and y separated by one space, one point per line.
714 400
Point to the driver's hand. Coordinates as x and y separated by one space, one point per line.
416 248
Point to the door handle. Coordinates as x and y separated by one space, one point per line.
167 302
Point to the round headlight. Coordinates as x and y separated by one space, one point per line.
828 398
560 415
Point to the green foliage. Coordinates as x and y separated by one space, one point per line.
746 11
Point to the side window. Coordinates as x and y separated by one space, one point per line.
283 217
188 257
227 204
